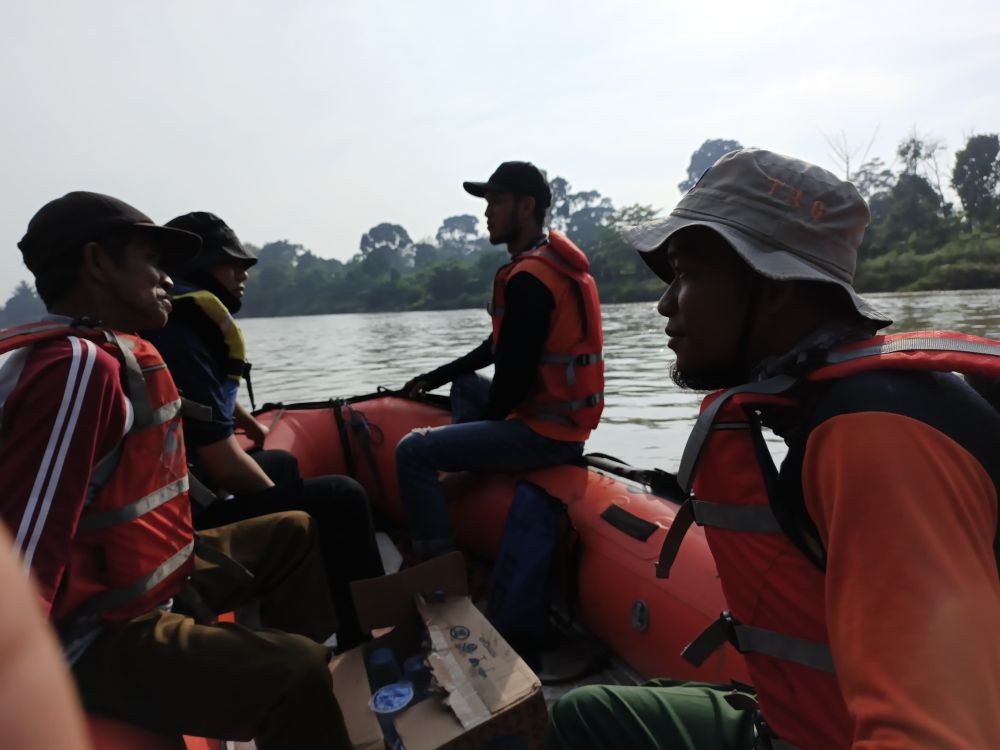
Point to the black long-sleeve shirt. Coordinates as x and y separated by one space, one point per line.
528 306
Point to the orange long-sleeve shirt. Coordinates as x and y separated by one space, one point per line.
908 518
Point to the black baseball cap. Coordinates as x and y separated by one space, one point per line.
68 223
218 243
520 177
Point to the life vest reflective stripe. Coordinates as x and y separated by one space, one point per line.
111 599
115 516
727 471
133 546
569 387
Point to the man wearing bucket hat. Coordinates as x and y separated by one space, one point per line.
862 577
203 347
95 482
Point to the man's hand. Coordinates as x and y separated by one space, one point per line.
257 431
254 429
415 387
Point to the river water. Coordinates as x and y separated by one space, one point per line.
646 418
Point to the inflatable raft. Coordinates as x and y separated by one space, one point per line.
620 512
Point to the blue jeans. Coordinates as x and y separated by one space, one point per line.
495 445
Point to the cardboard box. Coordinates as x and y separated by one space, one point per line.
493 698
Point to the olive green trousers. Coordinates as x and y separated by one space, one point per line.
660 715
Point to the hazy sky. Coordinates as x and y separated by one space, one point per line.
313 121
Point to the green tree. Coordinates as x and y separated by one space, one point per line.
620 272
580 214
976 177
458 236
707 154
385 247
872 177
24 306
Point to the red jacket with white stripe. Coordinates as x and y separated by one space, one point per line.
68 448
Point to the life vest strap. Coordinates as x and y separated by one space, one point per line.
592 400
199 492
235 569
572 361
116 597
165 413
751 640
28 330
141 409
753 518
192 410
672 541
703 427
90 522
559 412
916 343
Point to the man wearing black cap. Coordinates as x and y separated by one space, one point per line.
547 391
861 576
204 349
95 484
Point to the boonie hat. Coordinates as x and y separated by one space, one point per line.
521 177
68 223
788 219
218 242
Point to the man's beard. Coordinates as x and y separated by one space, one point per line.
209 283
707 381
511 234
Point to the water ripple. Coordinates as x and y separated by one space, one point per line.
646 419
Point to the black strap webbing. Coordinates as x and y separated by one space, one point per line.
217 557
751 640
751 518
672 541
703 427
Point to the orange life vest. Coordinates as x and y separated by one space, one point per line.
567 397
134 545
775 588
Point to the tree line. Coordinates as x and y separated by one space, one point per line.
917 240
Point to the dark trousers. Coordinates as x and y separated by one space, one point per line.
338 504
166 672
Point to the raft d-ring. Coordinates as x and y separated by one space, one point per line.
640 616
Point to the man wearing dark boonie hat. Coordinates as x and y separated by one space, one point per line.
95 492
861 577
204 349
509 424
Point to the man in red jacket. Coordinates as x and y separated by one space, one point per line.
95 493
861 577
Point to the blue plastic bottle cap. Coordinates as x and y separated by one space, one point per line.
392 698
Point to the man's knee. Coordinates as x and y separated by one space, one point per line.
410 449
568 716
303 666
294 527
343 499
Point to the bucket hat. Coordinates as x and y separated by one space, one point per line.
787 218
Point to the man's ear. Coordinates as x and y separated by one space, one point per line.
777 297
526 208
97 262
